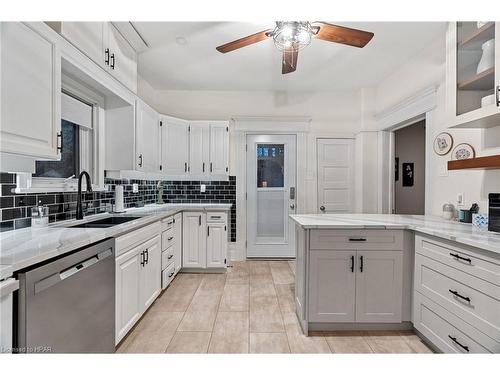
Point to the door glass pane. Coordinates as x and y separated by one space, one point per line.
271 215
475 66
270 164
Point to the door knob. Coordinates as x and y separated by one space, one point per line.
292 206
322 208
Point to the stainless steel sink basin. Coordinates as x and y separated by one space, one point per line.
106 222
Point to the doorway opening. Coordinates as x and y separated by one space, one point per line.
409 169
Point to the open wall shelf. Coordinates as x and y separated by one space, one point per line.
484 162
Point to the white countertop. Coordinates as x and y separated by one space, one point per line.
432 225
25 247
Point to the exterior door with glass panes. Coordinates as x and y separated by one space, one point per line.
473 80
271 195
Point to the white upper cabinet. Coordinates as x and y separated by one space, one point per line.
199 148
105 45
122 58
174 146
473 74
147 138
30 97
219 148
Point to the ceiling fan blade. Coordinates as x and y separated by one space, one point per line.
243 42
341 34
289 62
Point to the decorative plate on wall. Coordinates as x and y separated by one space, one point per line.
463 151
443 143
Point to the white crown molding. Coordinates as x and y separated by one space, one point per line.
272 124
411 107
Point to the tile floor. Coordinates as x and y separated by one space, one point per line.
250 309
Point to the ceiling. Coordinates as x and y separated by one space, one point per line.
322 66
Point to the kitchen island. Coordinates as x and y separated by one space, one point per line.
372 272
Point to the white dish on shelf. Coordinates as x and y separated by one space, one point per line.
488 57
487 100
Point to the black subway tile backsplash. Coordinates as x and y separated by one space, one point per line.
16 208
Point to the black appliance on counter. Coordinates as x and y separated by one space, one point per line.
494 212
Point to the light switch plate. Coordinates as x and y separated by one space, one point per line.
203 188
135 188
460 199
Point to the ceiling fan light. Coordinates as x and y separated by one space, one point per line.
292 34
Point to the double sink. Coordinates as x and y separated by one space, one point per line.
106 222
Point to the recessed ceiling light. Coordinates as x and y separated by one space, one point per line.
180 40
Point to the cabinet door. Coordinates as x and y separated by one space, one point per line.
199 145
122 58
150 284
30 96
216 245
174 146
379 286
219 149
194 240
332 286
87 37
147 138
127 275
178 242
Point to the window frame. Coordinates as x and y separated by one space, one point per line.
91 143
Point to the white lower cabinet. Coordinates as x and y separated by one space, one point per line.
355 286
178 242
204 242
456 296
138 283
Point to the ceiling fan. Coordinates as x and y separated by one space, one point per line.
292 36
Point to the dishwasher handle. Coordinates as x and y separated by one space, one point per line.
70 271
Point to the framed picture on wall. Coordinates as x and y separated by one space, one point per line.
408 174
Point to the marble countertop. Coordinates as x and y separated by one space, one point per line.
25 247
432 225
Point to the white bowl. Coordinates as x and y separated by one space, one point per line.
487 100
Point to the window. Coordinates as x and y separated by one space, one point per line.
270 162
69 165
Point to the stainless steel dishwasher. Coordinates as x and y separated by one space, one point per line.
67 305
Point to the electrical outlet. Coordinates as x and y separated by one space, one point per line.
135 188
460 199
203 188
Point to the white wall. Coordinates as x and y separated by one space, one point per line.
424 70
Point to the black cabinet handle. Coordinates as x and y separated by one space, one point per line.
185 167
199 220
352 263
113 60
208 231
498 96
211 167
361 263
454 339
454 292
357 239
170 256
203 166
140 160
106 56
147 256
170 238
458 257
172 274
142 258
170 222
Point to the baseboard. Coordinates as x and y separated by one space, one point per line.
360 326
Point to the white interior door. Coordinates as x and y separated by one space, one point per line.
335 175
271 173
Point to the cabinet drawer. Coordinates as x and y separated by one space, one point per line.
167 275
475 264
440 327
346 239
167 238
167 223
167 257
132 239
472 299
216 217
